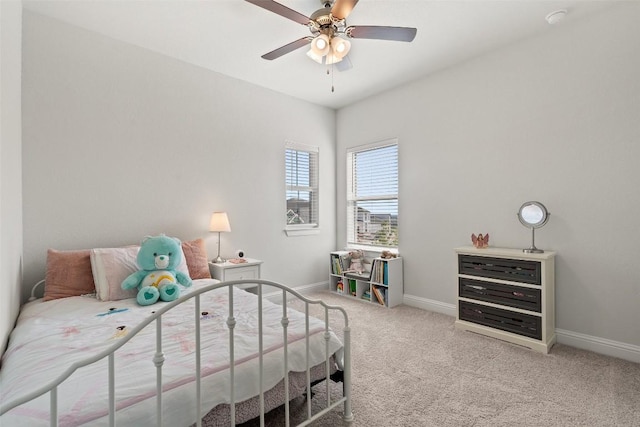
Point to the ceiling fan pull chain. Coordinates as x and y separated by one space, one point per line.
332 73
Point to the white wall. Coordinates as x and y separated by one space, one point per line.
10 166
120 142
555 119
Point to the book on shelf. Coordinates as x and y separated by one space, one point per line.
352 287
338 262
380 271
366 295
380 294
377 270
384 291
385 273
334 264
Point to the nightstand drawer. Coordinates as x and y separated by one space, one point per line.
242 273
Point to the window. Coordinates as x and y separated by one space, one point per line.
372 195
301 163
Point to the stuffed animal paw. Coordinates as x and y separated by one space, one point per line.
157 278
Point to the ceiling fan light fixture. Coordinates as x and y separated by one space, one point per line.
320 45
340 47
325 25
318 58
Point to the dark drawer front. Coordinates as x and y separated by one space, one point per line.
497 293
500 268
518 323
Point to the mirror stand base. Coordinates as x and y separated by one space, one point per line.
533 251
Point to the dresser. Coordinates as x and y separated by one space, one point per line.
507 294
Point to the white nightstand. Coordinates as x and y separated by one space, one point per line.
227 271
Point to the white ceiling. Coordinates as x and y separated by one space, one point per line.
229 36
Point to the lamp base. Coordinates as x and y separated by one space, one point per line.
218 260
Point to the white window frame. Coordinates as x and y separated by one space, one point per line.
353 198
312 188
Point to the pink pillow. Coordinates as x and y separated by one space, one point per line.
195 254
111 266
68 274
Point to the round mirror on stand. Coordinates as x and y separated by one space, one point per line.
533 215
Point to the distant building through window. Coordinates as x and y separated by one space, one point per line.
372 195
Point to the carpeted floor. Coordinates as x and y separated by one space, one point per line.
413 368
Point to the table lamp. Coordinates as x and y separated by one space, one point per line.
219 223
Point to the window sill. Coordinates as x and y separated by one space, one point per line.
302 232
377 249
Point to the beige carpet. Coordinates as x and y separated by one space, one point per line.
413 368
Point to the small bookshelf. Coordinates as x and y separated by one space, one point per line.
381 283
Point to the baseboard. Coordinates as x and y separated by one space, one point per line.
313 287
598 345
604 346
303 289
429 305
574 339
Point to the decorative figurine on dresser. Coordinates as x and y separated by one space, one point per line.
507 294
480 241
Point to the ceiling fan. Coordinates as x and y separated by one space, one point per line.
328 27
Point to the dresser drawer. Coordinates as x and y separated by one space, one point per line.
514 270
242 273
497 293
517 323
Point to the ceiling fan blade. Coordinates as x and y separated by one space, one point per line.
342 8
281 10
344 65
287 48
400 34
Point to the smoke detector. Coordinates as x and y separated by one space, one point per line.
555 17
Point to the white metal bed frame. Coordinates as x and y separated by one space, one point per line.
159 358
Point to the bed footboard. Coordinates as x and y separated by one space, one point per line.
198 385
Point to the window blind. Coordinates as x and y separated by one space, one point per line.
301 164
372 195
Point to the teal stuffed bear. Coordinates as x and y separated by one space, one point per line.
158 258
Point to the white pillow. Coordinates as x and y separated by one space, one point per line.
111 266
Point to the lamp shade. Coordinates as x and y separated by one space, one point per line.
318 58
320 45
340 47
219 222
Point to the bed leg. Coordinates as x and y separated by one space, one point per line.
308 394
348 415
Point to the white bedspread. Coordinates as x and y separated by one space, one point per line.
49 336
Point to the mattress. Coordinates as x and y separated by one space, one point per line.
50 336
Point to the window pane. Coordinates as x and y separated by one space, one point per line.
300 207
376 222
